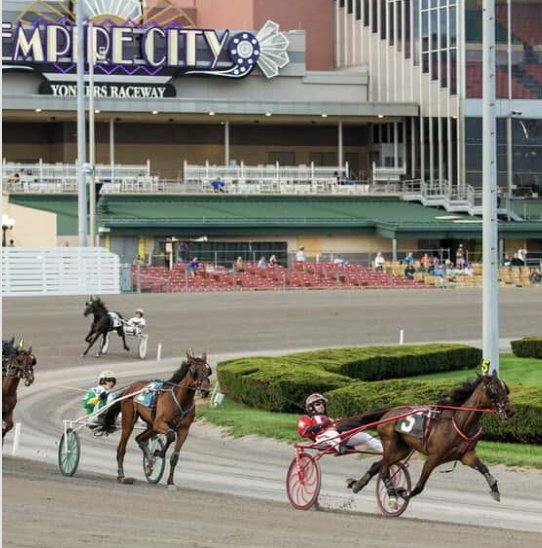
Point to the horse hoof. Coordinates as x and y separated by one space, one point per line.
350 482
126 481
394 504
172 487
495 495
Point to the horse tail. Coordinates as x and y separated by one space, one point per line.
361 420
108 420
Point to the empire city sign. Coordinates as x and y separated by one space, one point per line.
150 51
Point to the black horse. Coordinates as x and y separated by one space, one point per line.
104 322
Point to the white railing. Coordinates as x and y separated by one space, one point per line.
62 178
271 173
34 271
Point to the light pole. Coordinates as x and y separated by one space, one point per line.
7 224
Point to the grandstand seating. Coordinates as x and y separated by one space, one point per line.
474 84
526 21
299 276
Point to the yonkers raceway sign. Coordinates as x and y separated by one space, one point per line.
154 52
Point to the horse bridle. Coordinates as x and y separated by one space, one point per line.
14 369
193 370
493 394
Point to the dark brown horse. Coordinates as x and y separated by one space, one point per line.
453 436
17 365
172 416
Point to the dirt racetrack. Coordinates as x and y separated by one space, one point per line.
42 509
216 475
262 321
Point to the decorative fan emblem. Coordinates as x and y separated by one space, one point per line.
273 45
268 50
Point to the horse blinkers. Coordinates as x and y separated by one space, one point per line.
201 375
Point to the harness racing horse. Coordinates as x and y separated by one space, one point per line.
104 322
453 436
15 366
172 416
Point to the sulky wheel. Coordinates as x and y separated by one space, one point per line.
303 482
69 451
143 346
400 478
154 470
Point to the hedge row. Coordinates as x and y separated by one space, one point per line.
282 383
524 427
528 347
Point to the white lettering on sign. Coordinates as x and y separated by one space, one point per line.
111 90
26 49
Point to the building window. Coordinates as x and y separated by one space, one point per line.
283 158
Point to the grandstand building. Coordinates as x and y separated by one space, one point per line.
345 126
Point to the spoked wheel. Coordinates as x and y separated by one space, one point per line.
154 469
69 451
143 346
400 478
303 482
105 346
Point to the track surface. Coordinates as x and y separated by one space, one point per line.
224 471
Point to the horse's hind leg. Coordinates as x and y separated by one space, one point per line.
120 331
471 459
358 485
128 422
182 434
430 464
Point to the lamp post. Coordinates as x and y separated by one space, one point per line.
7 224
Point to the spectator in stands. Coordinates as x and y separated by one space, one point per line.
262 263
339 261
522 256
11 243
460 256
183 252
336 178
506 261
409 259
467 270
273 260
300 255
380 262
516 261
425 262
239 265
535 277
193 266
410 270
345 180
218 185
499 196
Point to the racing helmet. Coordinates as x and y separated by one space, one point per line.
105 375
312 399
140 311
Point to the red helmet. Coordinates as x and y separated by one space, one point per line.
314 398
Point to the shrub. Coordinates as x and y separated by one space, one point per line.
528 347
282 383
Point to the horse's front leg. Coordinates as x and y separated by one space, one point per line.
182 434
7 425
120 331
91 344
358 485
471 459
87 338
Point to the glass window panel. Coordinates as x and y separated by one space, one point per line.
407 29
425 62
425 31
358 9
383 20
443 34
375 15
416 31
391 23
434 65
443 69
434 29
453 27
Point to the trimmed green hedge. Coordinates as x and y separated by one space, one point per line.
528 347
282 383
524 427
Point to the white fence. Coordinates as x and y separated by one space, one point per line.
36 271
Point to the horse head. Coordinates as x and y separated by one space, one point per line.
94 305
201 372
496 395
22 365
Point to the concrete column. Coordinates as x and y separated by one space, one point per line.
341 151
227 143
112 147
394 249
